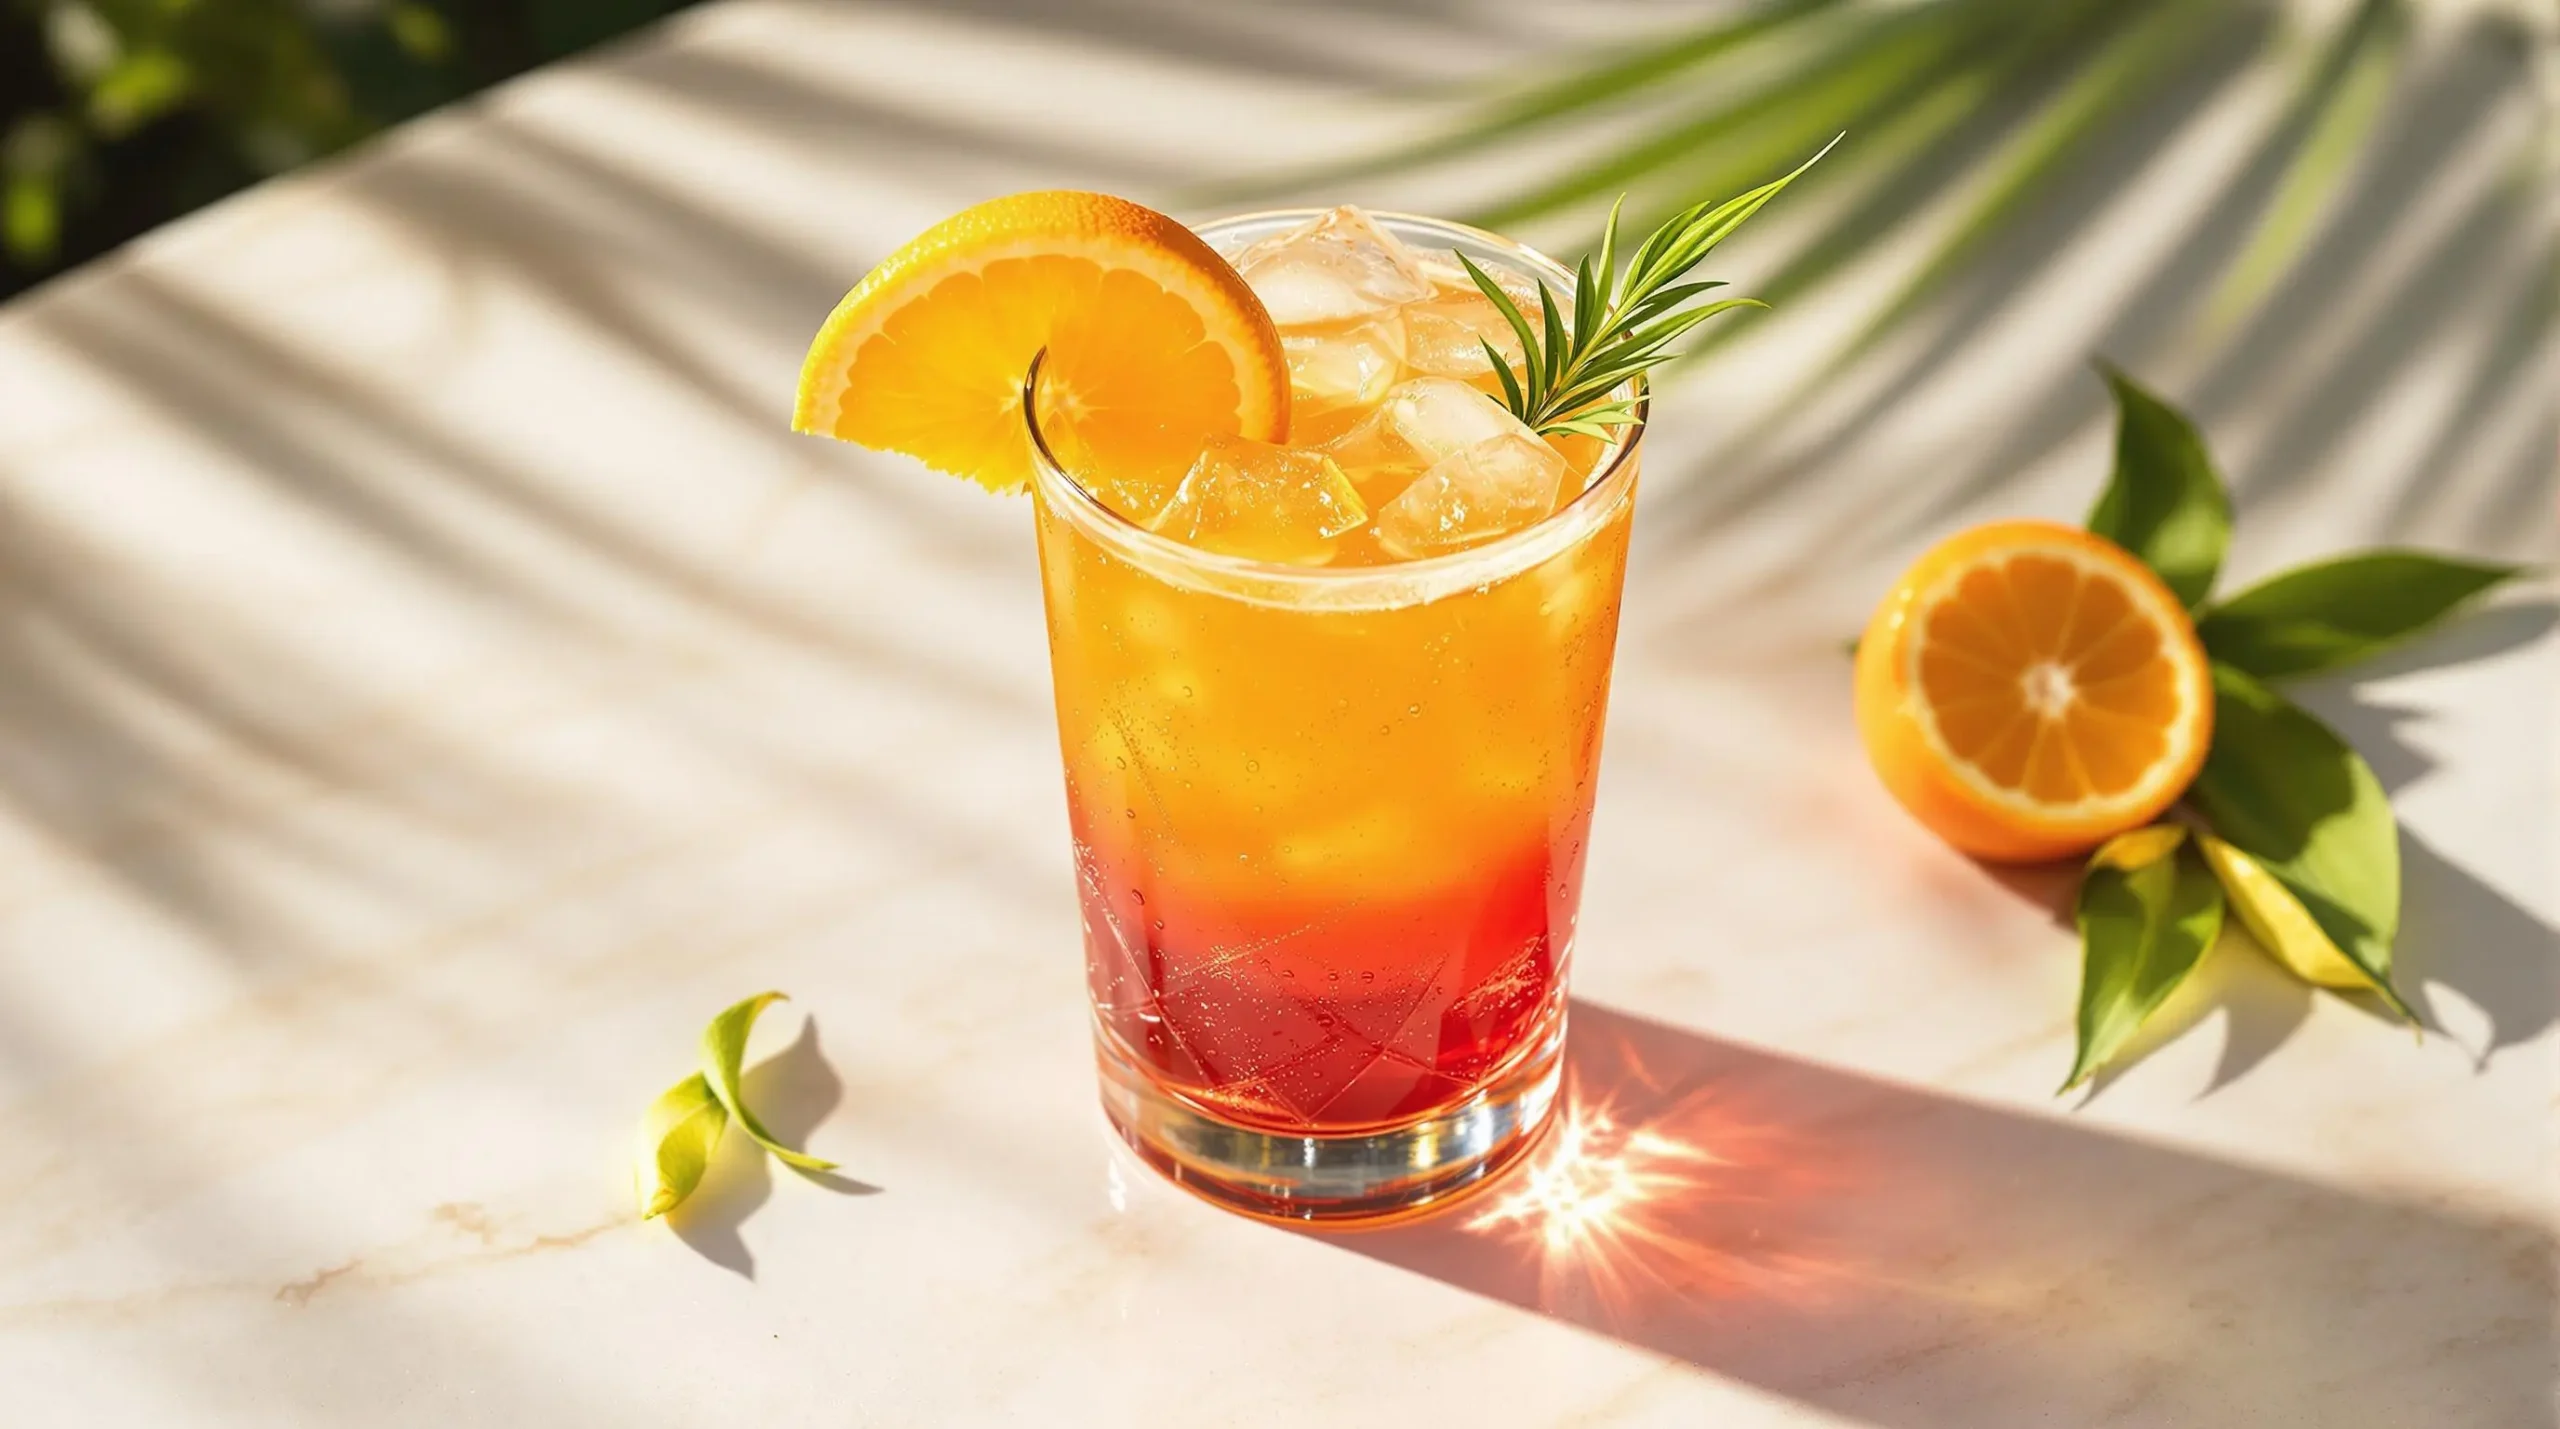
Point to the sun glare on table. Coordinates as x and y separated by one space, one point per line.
1593 1188
1635 1209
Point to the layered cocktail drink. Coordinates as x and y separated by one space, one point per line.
1331 715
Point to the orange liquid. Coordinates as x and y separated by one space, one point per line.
1330 859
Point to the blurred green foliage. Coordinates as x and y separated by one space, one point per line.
118 115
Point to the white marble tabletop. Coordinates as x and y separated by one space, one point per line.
432 683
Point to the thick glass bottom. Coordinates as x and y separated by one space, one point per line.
1337 1179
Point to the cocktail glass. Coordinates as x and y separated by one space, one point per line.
1330 827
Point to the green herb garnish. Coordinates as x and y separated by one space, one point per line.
1620 326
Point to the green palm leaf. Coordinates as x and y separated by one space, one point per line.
1997 102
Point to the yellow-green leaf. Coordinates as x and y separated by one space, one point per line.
30 217
2148 910
142 86
420 30
2283 788
724 1054
2278 921
677 1138
2138 847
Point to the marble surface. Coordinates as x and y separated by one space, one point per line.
431 683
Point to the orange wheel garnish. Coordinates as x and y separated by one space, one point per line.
1155 345
2028 690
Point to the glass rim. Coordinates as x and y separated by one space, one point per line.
1402 582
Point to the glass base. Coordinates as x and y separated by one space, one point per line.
1337 1179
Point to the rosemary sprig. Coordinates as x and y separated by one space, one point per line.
1620 326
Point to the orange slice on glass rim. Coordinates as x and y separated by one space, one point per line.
1155 345
2028 690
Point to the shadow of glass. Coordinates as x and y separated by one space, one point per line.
791 1092
1913 1261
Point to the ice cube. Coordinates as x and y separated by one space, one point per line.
1487 489
1345 367
1439 416
1420 423
1445 336
1337 268
1442 268
1378 460
1262 502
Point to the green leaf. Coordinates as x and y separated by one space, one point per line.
2285 790
1558 348
2333 613
2277 922
2165 502
1586 302
1660 301
420 31
140 88
724 1053
677 1138
1608 265
2149 908
1512 396
1599 420
1526 393
30 217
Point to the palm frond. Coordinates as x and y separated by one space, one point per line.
1998 102
2330 119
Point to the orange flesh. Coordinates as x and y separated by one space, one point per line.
943 362
1154 343
2028 690
2024 628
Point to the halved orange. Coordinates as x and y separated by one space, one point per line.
2028 690
1155 345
